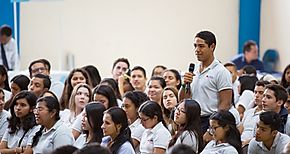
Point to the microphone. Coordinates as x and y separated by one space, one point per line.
190 69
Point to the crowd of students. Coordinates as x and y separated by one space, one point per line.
129 114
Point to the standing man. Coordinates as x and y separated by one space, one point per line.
249 57
9 51
212 87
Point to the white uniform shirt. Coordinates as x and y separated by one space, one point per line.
277 147
188 138
207 85
245 99
67 117
12 56
14 139
249 122
3 122
287 126
81 141
137 130
223 148
157 137
59 135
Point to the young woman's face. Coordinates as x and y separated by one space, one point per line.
109 127
130 108
169 99
82 97
170 79
77 78
103 99
42 114
180 114
155 91
85 123
22 108
147 122
14 88
218 131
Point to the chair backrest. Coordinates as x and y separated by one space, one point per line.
270 60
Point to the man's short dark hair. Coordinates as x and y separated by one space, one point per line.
249 69
207 36
5 30
262 83
125 60
248 45
46 80
230 64
181 149
139 68
272 119
279 92
43 61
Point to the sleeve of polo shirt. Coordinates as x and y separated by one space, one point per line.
224 80
252 149
3 127
161 139
137 133
77 125
5 136
34 130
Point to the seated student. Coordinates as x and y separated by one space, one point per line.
4 82
274 98
226 136
91 123
268 139
53 132
158 70
187 116
285 79
39 84
234 72
181 149
3 114
22 125
172 78
132 100
156 137
18 83
287 106
249 57
138 78
251 116
93 148
81 96
115 127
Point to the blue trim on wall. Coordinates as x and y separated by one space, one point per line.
249 22
7 15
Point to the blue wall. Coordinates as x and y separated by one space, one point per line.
249 22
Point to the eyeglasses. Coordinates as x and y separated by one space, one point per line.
38 69
36 110
211 130
179 110
144 119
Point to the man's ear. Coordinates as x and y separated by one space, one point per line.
212 46
280 102
274 133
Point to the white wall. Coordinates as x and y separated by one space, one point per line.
275 30
147 32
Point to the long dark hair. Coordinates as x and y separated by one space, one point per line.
94 114
247 82
29 120
151 109
53 105
113 84
232 136
106 91
192 124
3 72
176 75
68 88
167 112
93 74
284 83
118 116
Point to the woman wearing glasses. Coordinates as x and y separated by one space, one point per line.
156 137
53 132
187 117
227 139
22 124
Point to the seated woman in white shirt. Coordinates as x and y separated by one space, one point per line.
103 94
131 103
22 124
3 114
156 137
115 126
169 101
80 97
53 132
187 116
91 124
227 139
